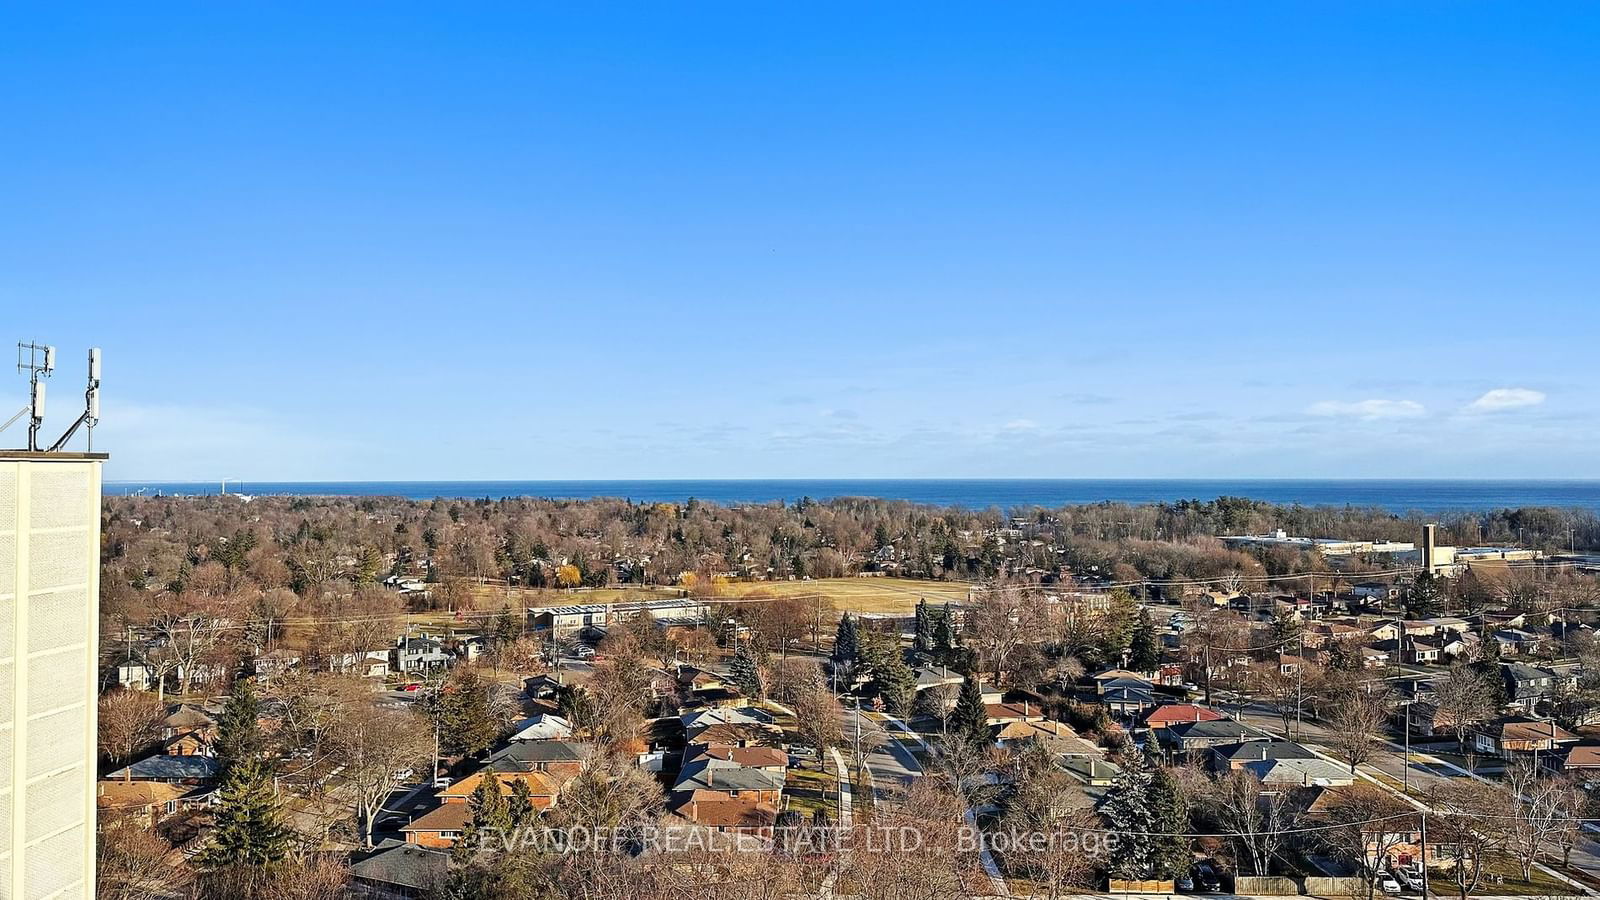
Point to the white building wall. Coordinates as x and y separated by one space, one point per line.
49 589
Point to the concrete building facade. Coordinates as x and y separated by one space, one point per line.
49 602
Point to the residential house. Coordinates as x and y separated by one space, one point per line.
1422 651
1518 642
1582 758
419 654
190 770
400 871
543 727
135 676
1510 736
273 663
147 802
1295 773
1527 685
1195 739
1227 757
1016 711
1375 591
730 788
1057 738
365 663
1173 713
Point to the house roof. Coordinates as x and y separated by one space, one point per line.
539 783
754 757
542 727
187 717
404 865
731 813
1519 728
138 794
445 817
1273 748
1128 695
725 777
1582 756
163 768
1212 730
1180 712
1305 772
523 756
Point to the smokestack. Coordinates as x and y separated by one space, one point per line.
1429 540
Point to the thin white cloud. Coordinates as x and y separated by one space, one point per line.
1021 425
1368 410
1502 399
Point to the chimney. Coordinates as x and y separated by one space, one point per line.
1025 711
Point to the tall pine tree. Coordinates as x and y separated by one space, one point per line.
944 632
239 727
846 643
1126 808
1142 653
1170 855
249 831
746 673
970 718
923 640
896 683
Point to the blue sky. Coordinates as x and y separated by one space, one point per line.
390 241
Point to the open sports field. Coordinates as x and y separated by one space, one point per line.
857 595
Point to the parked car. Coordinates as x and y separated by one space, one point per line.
1206 877
1407 879
412 688
401 776
1183 884
583 651
1387 883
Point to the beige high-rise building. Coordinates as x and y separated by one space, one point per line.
49 602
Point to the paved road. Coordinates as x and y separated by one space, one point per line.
891 765
1422 771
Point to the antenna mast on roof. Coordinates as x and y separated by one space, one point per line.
90 416
38 360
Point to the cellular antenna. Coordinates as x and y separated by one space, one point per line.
91 406
38 360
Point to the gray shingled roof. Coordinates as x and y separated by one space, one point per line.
168 768
405 865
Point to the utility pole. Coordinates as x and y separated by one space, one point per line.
1299 686
1423 853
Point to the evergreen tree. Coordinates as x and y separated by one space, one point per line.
746 673
1142 653
1170 855
521 804
248 830
1285 629
944 632
896 682
491 815
1422 601
846 643
1126 808
461 711
239 728
923 642
970 718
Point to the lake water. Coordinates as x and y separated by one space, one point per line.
1396 495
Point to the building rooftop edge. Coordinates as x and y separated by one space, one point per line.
58 455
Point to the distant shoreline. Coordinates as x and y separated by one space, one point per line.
1395 495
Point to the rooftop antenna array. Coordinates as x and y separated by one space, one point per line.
90 416
39 362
